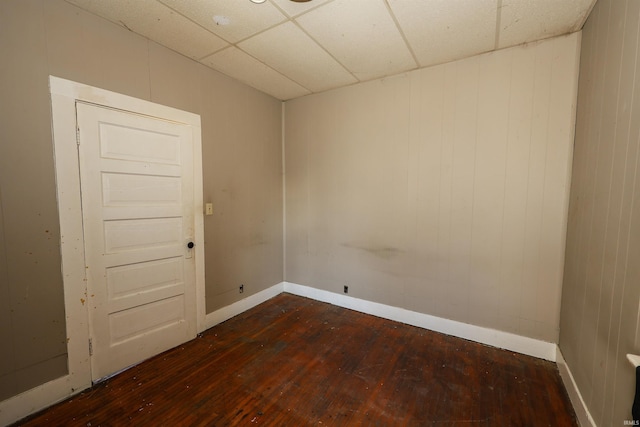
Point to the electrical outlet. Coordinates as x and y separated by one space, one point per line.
346 289
241 288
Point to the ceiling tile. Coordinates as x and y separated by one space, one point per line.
361 35
523 21
243 18
293 8
288 49
234 62
443 30
157 22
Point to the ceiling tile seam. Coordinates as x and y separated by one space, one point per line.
496 43
275 70
260 61
229 43
282 11
287 18
297 24
291 17
236 45
403 35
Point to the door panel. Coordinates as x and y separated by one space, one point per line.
134 190
140 233
137 202
152 146
126 325
142 283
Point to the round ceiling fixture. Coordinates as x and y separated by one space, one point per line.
258 1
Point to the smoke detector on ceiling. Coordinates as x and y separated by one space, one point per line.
222 20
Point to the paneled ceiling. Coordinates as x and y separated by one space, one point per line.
290 49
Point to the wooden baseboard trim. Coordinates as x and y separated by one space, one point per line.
226 313
492 337
582 413
15 408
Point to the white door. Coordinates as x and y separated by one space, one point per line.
138 218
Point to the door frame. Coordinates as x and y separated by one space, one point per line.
64 95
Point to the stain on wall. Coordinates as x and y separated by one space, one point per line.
443 191
241 135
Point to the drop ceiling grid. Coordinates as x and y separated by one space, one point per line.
287 49
370 46
294 49
248 21
245 68
245 18
455 29
293 9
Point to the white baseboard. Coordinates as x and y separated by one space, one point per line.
40 397
582 413
226 313
20 406
492 337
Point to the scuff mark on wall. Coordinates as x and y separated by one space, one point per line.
384 252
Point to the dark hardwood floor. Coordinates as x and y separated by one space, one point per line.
293 361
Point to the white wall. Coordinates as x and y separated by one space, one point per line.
443 191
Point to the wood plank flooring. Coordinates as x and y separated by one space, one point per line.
293 361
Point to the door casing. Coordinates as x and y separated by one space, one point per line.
64 95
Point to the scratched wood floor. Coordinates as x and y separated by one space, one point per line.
295 362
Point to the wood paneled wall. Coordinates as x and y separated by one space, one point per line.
599 322
443 191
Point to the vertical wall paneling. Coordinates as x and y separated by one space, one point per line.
463 155
614 153
600 293
493 92
518 151
443 191
626 297
7 362
425 161
626 153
